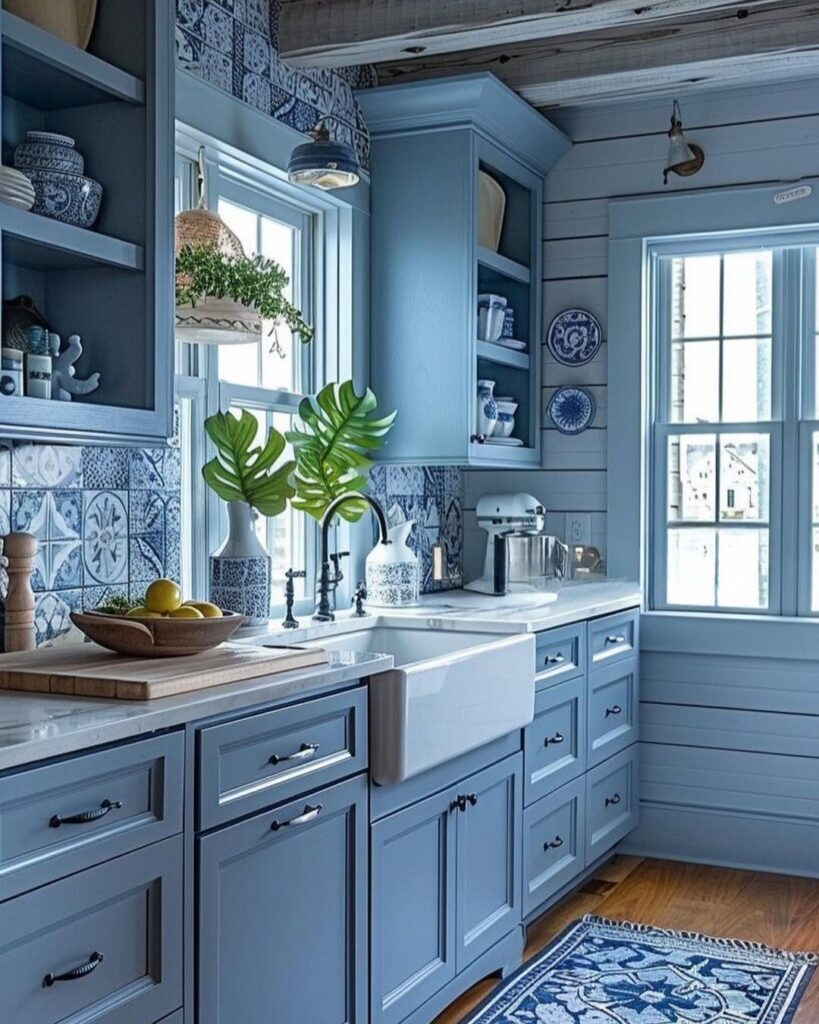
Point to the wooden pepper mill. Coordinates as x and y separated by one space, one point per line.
20 550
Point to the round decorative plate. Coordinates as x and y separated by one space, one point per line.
572 410
574 337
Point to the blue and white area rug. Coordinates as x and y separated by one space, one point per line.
608 972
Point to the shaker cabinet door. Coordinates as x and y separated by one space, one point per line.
282 913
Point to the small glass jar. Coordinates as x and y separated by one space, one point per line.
11 372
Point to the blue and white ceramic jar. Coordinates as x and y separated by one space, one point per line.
240 569
56 170
487 418
393 572
48 151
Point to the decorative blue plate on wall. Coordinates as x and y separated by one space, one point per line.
574 337
572 410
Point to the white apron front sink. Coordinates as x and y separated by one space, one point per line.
449 693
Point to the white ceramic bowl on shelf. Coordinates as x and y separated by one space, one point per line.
507 407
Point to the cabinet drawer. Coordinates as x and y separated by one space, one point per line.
614 705
67 816
555 743
254 762
612 804
561 654
554 843
125 916
614 637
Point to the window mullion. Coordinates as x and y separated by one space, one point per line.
785 544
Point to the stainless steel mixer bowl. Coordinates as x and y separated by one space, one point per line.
535 557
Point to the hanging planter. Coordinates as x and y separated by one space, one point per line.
223 296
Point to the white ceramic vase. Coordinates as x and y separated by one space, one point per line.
393 571
240 569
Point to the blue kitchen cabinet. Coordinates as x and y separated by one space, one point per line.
431 144
283 913
445 887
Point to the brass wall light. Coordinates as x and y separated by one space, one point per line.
684 158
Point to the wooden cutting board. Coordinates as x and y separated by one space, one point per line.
89 671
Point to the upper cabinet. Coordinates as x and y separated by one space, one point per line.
457 190
110 282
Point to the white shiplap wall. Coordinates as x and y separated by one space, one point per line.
762 135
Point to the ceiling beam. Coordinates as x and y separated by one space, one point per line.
334 33
780 40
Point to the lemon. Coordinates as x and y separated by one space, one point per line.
186 612
210 611
142 613
163 596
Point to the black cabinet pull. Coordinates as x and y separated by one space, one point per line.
478 439
461 801
555 844
618 639
85 817
82 971
614 710
304 753
308 814
553 740
613 800
555 659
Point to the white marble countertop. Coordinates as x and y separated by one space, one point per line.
34 727
37 726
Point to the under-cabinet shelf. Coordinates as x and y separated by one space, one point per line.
501 265
42 243
503 356
43 71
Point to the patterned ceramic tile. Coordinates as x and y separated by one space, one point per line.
5 511
5 465
48 515
146 513
146 469
105 533
147 558
105 469
46 465
93 597
51 615
58 566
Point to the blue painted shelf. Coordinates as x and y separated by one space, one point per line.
503 356
45 72
502 265
40 243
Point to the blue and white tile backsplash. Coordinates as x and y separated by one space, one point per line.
232 45
107 519
433 498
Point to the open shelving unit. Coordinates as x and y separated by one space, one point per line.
112 283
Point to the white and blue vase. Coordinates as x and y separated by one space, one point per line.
240 569
393 572
487 407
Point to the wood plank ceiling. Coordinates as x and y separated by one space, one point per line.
562 52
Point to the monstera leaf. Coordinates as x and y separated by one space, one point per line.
242 472
339 429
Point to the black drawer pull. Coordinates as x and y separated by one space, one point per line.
555 844
614 710
613 800
308 814
304 753
555 659
553 740
619 639
85 817
462 800
78 972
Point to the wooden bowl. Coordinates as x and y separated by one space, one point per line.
156 638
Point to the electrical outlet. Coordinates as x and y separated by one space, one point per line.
578 527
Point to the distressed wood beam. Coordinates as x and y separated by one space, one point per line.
780 40
343 32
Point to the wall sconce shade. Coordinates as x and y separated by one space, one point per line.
324 163
684 158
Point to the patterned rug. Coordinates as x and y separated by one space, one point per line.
608 972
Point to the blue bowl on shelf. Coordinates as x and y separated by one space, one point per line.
47 151
72 198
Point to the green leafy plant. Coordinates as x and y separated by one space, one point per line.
202 272
243 471
339 429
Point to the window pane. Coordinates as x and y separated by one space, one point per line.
691 567
743 569
748 293
815 450
692 473
745 470
279 368
243 223
746 380
815 582
695 308
695 382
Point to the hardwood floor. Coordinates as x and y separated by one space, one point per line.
774 909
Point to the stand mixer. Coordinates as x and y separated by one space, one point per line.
520 556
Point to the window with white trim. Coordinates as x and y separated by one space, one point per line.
267 376
734 466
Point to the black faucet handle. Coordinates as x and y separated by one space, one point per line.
292 574
359 597
290 596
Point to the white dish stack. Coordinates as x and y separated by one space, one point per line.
15 189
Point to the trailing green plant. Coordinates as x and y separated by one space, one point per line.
203 271
339 430
244 471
